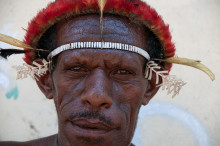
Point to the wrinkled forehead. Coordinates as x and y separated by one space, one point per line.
87 28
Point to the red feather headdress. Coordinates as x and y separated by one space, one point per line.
64 9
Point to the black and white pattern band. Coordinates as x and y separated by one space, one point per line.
99 45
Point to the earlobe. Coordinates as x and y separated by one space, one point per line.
151 90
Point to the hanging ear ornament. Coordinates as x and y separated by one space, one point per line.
169 82
34 72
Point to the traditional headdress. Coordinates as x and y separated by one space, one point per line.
137 10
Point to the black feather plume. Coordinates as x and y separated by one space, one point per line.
8 52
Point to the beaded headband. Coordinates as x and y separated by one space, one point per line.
99 45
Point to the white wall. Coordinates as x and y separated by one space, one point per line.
191 119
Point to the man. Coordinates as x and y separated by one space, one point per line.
96 74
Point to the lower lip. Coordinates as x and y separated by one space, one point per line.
89 132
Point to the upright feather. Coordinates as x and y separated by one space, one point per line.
101 4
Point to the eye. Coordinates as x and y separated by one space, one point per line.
123 72
79 69
123 75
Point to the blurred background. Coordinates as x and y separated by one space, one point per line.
191 119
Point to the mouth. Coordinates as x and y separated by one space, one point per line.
90 127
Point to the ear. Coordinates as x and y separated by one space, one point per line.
45 83
151 89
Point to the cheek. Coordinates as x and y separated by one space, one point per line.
65 90
130 100
130 94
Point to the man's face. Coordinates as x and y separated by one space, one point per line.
98 93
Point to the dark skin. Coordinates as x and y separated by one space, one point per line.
97 93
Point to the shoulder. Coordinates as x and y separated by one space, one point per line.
47 141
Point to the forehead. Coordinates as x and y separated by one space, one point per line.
116 29
87 28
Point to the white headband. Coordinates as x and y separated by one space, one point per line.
99 45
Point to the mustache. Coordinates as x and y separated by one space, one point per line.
91 115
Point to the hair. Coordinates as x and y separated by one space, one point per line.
48 42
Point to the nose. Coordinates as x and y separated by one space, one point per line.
97 90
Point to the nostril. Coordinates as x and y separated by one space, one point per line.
86 102
103 104
106 105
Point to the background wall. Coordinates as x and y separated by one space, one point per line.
191 119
